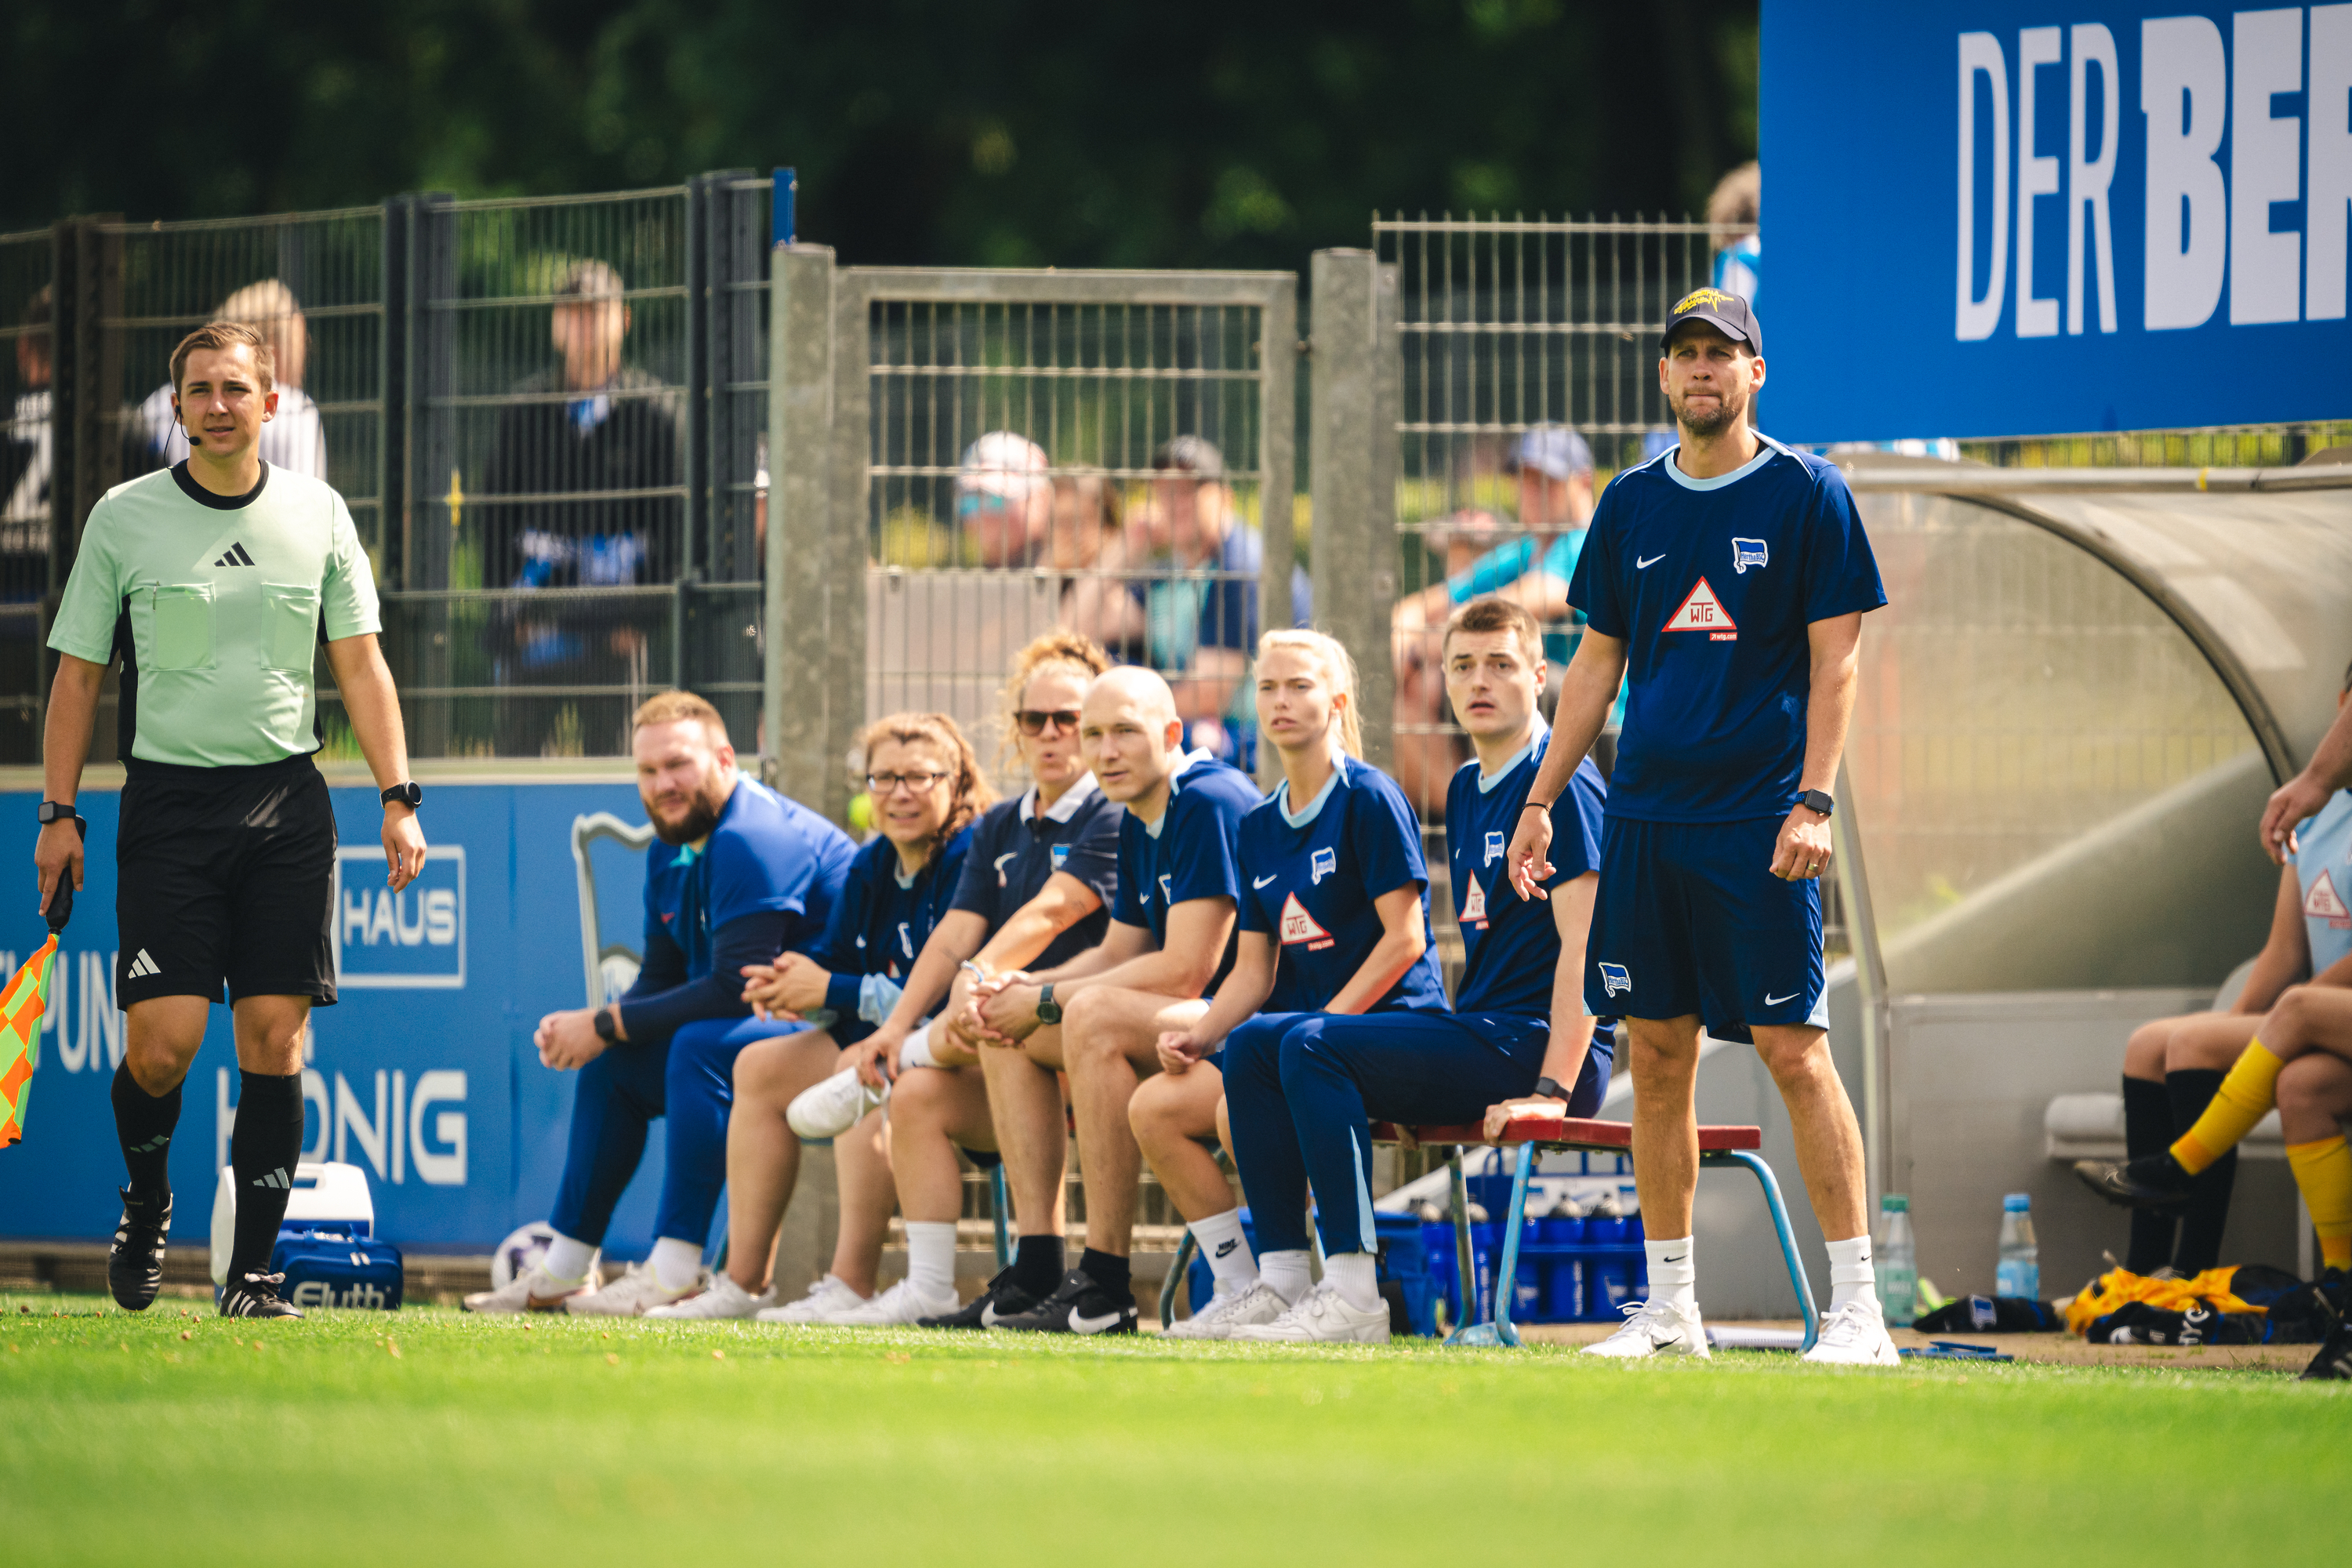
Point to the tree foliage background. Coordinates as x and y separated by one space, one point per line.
1220 132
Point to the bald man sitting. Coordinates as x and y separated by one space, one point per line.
1100 1016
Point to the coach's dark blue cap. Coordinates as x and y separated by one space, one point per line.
1726 313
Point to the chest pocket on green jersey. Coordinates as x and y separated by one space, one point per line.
180 634
293 626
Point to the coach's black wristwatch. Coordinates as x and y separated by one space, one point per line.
1819 800
607 1023
1048 1010
407 795
1548 1088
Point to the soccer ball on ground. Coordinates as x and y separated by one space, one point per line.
525 1247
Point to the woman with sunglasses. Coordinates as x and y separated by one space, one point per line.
927 788
1335 919
1037 888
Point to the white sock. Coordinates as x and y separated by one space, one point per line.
917 1051
1227 1251
567 1260
1674 1272
1285 1273
676 1265
930 1256
1356 1276
1851 1279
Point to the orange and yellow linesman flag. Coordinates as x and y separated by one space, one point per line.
21 1007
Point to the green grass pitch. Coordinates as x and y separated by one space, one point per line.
563 1442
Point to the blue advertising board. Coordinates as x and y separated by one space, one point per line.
422 1074
1987 218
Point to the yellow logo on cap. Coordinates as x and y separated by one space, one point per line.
1698 296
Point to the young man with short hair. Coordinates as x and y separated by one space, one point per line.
1100 1015
216 581
1729 576
1301 1092
741 874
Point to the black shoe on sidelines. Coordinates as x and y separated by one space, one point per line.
134 1264
2333 1362
255 1296
1001 1299
2150 1182
1077 1306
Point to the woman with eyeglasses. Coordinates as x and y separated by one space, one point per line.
1335 919
1037 886
927 788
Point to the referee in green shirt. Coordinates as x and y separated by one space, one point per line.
214 581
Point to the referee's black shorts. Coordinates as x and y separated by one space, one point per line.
226 876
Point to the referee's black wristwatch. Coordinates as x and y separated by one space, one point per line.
53 811
407 795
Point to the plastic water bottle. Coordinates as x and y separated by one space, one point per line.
2020 1271
1897 1261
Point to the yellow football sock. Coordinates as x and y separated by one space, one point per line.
2323 1170
2246 1097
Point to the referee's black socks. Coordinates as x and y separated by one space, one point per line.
263 1150
144 1123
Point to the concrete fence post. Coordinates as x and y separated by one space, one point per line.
794 689
1352 449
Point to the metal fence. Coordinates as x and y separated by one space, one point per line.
28 479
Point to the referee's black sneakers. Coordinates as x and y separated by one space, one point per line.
134 1264
1077 1306
1004 1298
255 1296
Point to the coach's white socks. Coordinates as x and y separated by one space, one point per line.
677 1264
1285 1273
1674 1272
915 1052
1227 1251
931 1257
1357 1277
566 1260
1852 1278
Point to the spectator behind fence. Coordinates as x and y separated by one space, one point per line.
587 447
24 462
1734 211
1088 554
1531 568
295 438
1200 621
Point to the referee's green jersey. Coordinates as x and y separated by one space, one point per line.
218 605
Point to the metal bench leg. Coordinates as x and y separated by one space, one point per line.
1176 1270
997 1205
1466 1271
1771 1186
1500 1330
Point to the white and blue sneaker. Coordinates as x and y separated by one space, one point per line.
1854 1335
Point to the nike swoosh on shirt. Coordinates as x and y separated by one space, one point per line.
1262 881
1642 565
1081 1324
1776 1000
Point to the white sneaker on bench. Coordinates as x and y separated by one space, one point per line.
1655 1328
1854 1335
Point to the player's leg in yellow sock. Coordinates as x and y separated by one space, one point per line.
2246 1097
2323 1171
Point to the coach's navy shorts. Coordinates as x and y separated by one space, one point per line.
1690 919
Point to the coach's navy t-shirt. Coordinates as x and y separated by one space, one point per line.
1313 876
1016 848
1511 946
766 853
1190 853
1711 584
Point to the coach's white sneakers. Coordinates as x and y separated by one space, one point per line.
1228 1312
1322 1315
633 1295
824 1298
900 1307
1854 1335
829 1108
1655 1328
532 1290
722 1299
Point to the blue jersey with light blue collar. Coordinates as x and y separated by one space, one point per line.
1510 945
1711 584
1313 879
1192 854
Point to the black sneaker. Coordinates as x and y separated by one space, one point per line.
1077 1306
255 1296
134 1264
1001 1299
2150 1182
2333 1362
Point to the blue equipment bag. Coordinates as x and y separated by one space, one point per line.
337 1265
